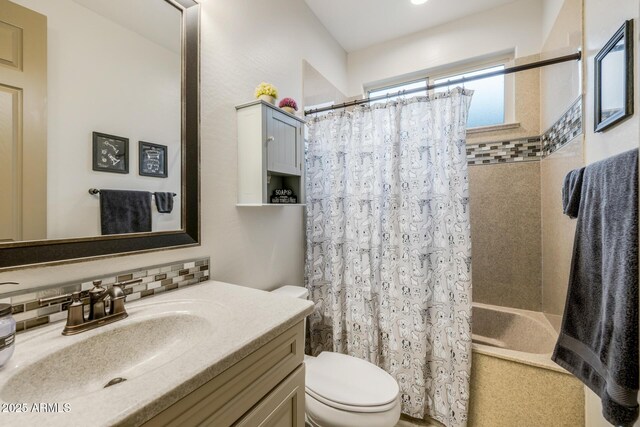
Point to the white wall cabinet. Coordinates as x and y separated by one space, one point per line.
270 153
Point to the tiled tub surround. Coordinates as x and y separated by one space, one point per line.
529 149
507 210
504 201
558 230
29 314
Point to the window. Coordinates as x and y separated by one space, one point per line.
392 91
487 105
492 102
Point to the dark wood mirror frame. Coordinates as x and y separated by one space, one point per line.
624 33
48 252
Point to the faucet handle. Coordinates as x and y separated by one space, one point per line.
75 311
127 282
118 297
57 298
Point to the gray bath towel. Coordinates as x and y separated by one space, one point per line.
164 202
571 192
598 341
125 211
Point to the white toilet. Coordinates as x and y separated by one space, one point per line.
344 391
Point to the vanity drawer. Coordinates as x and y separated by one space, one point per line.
227 397
283 407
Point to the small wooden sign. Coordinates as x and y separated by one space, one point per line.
283 196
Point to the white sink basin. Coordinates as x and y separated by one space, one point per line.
126 351
169 346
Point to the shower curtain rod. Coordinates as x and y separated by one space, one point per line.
573 57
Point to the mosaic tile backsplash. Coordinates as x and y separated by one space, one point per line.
530 149
28 313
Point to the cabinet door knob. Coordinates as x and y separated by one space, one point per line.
269 139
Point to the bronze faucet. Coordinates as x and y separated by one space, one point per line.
98 313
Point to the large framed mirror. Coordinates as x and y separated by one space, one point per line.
99 128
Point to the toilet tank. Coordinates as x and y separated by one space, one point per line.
292 291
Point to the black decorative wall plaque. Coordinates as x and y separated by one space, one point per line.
110 153
153 159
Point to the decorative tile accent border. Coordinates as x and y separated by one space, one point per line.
530 149
29 314
564 130
518 150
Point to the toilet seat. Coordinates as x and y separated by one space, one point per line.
320 415
347 383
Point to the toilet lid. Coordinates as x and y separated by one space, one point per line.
349 381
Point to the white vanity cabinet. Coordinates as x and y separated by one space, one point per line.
266 389
270 153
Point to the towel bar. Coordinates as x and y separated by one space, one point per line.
94 191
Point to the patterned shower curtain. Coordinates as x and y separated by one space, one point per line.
388 260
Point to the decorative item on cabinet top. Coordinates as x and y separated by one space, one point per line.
270 154
266 92
289 105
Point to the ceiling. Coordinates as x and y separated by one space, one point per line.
357 24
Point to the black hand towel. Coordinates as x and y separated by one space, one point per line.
598 342
125 211
164 202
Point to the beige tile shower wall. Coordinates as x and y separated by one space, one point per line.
557 229
505 234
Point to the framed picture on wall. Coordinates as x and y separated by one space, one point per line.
153 159
110 153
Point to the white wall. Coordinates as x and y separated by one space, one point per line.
243 43
512 27
138 97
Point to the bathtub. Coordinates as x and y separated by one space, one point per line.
513 334
514 382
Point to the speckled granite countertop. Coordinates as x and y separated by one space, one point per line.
189 336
